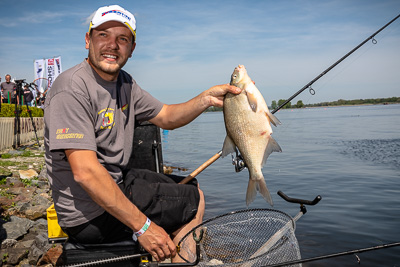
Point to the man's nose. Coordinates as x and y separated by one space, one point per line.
112 43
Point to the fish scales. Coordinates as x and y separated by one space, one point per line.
247 122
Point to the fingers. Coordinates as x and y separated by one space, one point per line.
217 93
234 90
164 252
223 89
158 243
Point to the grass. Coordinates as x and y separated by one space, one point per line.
7 163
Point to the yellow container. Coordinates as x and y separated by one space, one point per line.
53 229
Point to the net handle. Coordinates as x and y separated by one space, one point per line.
300 201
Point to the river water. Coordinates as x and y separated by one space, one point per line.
348 155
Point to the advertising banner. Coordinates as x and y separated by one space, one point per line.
57 66
39 68
50 72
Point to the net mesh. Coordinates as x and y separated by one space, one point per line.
257 237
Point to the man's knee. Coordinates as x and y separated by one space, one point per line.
202 203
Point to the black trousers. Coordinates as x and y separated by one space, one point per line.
160 197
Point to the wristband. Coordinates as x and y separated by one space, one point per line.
141 231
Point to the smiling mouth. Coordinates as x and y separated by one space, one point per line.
108 56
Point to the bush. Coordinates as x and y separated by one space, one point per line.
8 110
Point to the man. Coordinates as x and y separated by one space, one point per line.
28 96
1 95
90 115
8 89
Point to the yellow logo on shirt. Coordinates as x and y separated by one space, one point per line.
65 134
107 117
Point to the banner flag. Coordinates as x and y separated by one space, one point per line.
57 66
39 65
50 72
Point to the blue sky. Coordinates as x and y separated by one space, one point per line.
185 47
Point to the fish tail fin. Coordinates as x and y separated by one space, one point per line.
251 191
262 185
258 185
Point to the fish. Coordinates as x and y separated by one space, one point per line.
248 129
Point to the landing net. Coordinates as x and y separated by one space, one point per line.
255 237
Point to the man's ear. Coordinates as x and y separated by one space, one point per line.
87 40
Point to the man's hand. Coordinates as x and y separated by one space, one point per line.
215 95
158 243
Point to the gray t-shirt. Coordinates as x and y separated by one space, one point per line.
83 111
8 89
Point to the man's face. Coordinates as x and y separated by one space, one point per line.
8 78
110 45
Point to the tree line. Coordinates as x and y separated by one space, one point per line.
340 102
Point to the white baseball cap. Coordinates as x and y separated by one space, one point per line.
114 13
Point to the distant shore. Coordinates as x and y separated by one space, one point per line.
338 103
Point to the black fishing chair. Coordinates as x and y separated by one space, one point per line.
147 154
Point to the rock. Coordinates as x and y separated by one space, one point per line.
15 182
42 242
39 226
34 255
43 174
22 207
20 190
36 212
41 200
28 174
8 243
5 201
52 256
25 244
15 255
17 227
23 236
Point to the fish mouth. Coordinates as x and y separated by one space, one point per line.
240 67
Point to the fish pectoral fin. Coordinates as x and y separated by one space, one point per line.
252 101
228 147
272 146
274 120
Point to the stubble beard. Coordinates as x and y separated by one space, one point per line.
110 69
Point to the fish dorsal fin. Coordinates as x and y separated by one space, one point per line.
228 147
272 146
274 120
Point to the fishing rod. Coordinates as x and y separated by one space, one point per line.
238 161
308 85
350 252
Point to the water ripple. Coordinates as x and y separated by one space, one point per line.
381 151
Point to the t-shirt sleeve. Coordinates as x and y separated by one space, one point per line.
71 122
146 106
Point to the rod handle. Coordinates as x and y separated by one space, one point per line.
201 168
300 201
